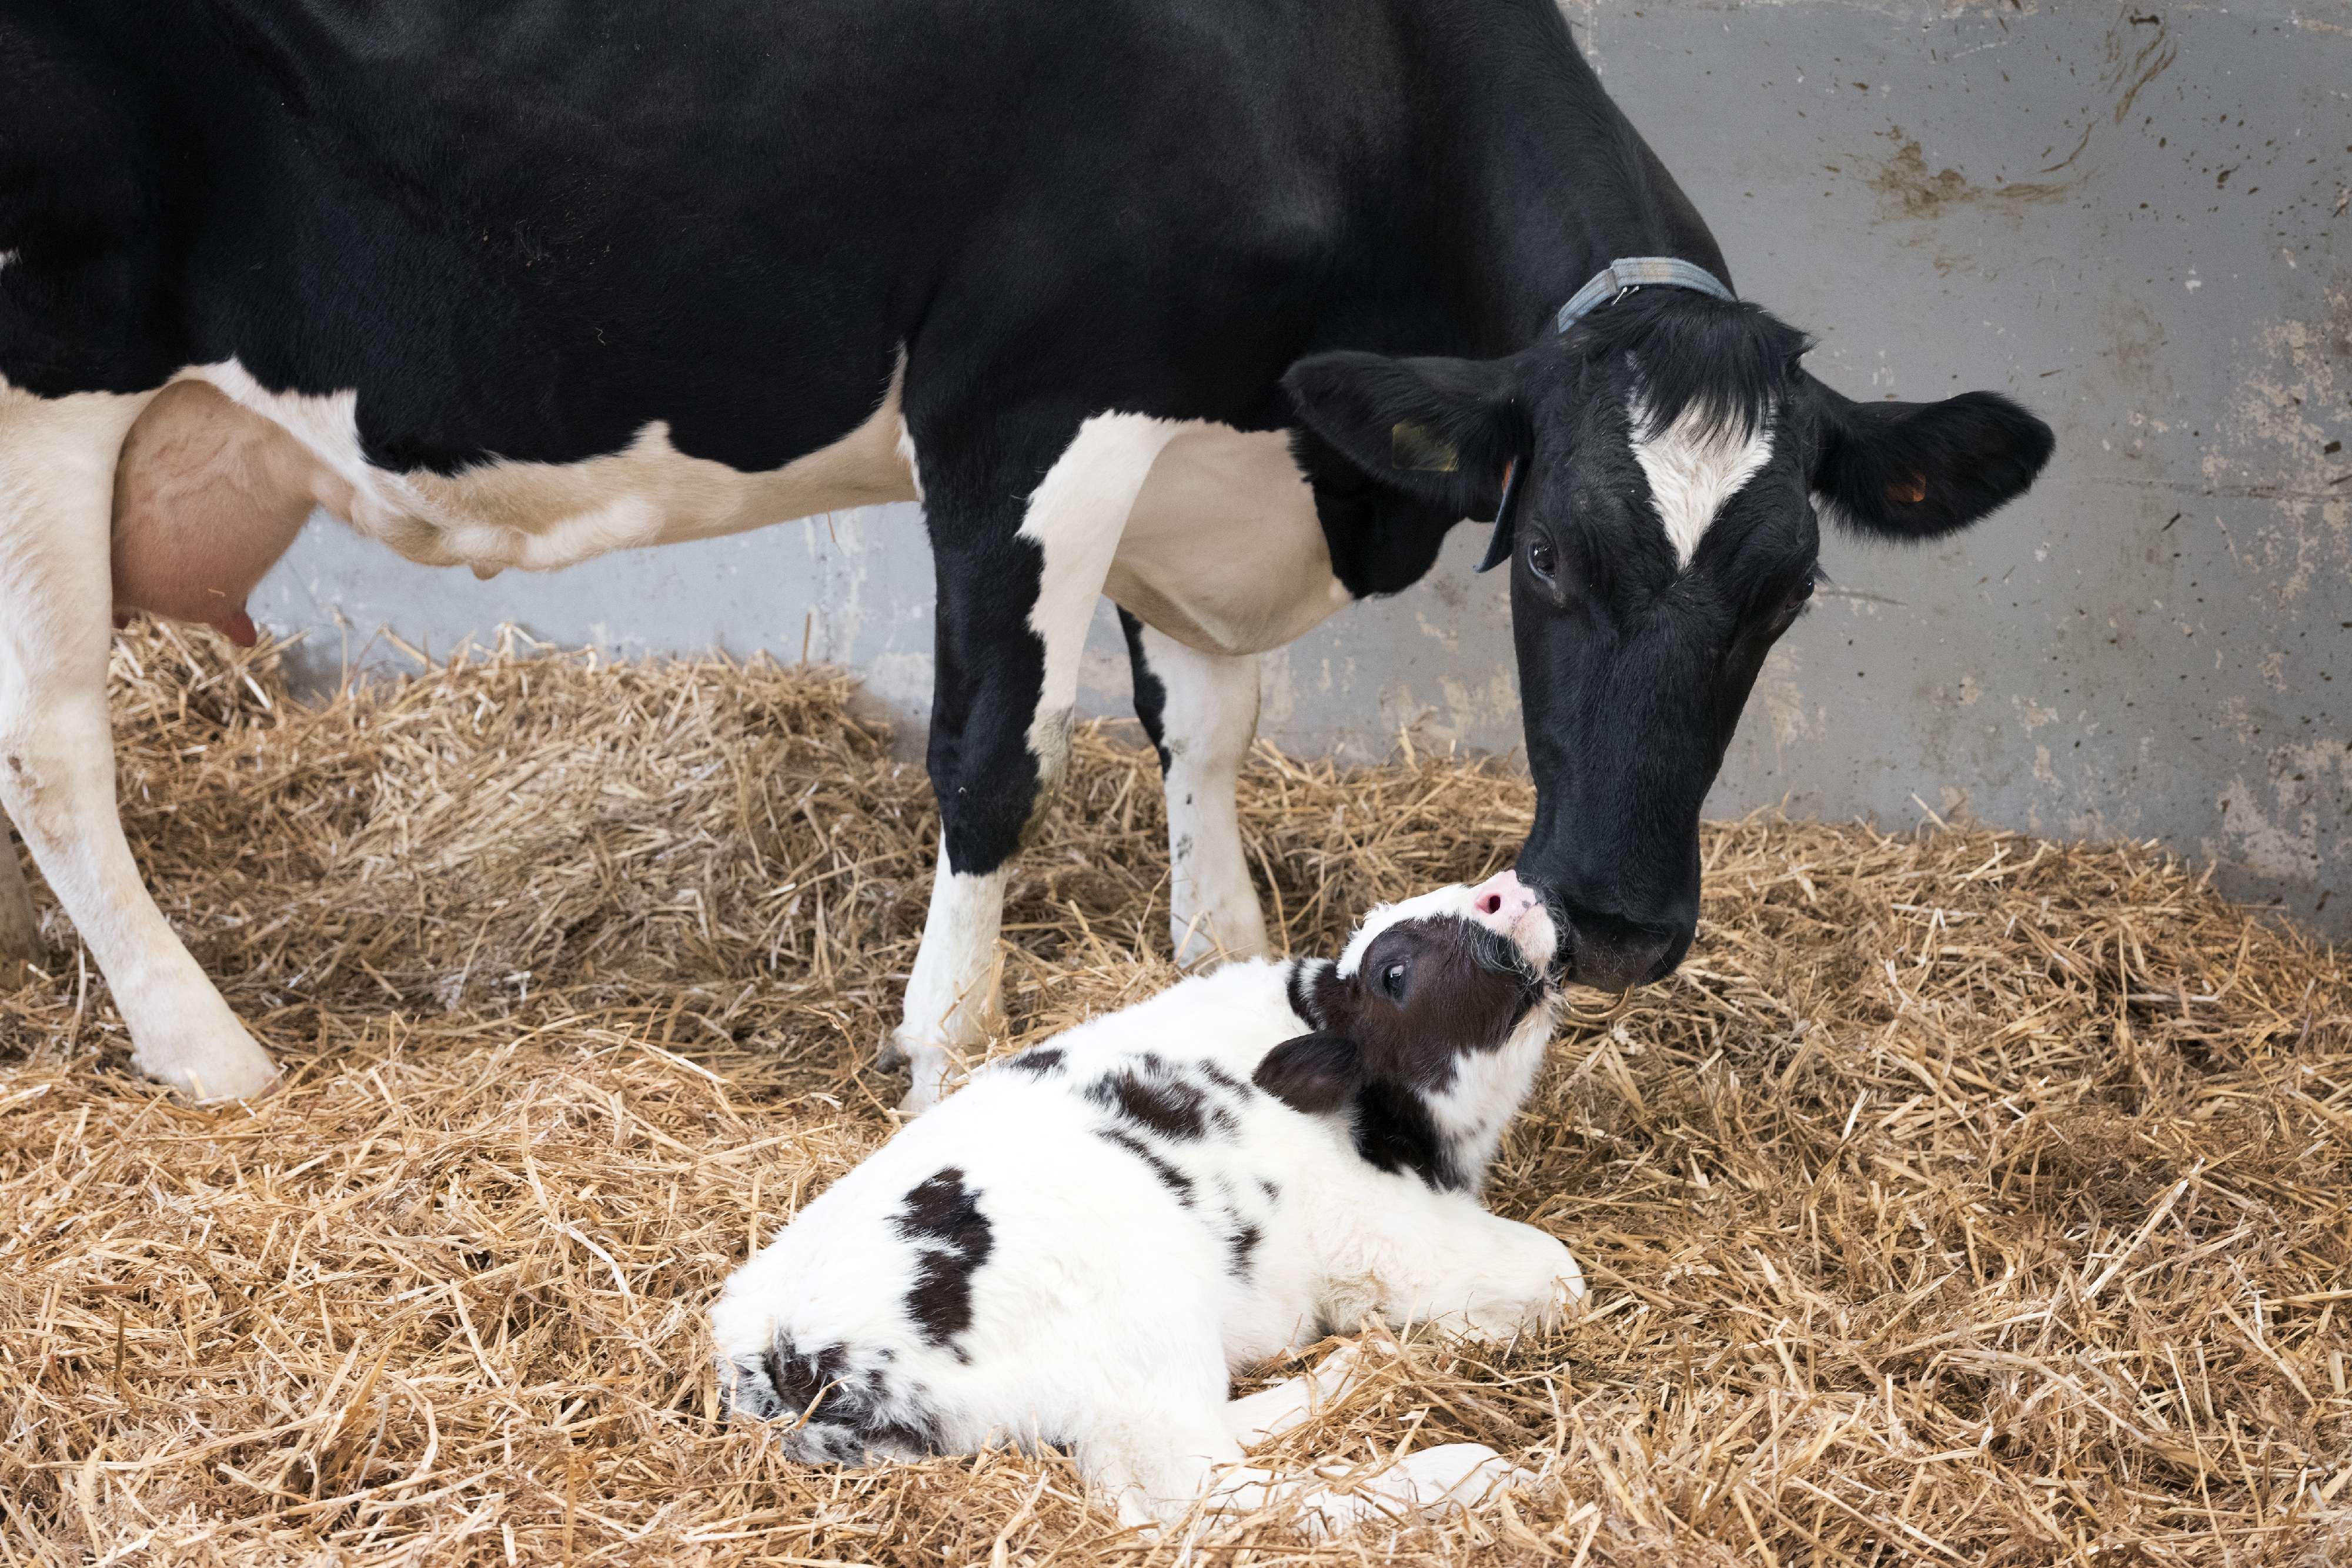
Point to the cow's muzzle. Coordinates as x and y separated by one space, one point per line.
1611 954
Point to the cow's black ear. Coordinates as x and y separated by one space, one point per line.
1312 1072
1444 431
1921 470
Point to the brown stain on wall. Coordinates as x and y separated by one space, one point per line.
1905 188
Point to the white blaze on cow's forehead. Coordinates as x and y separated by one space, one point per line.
1453 900
1694 465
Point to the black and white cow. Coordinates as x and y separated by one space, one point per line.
1082 1246
1227 309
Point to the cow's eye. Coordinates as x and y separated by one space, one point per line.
1392 981
1794 605
1539 558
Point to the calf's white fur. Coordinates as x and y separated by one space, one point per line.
1082 1246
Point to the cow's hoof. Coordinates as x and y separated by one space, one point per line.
891 1054
930 1071
211 1070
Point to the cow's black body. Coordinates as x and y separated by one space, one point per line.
523 231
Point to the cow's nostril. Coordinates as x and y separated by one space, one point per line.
1491 904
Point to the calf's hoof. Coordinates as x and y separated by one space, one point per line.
1462 1475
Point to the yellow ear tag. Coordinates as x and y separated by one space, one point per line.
1419 449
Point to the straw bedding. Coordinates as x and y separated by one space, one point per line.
1966 1198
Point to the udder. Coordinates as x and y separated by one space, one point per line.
1222 550
207 496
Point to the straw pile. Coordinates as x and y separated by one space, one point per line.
1967 1198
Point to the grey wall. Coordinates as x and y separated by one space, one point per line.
2133 220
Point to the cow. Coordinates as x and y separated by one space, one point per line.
1084 1244
1229 310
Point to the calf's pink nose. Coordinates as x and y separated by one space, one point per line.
1503 898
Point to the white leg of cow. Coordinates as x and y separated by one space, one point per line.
1000 744
1200 711
20 923
950 991
57 743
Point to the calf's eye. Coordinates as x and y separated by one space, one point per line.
1539 558
1392 981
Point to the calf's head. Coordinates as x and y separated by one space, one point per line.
1428 1027
1668 464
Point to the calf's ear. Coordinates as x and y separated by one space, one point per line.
1920 470
1312 1072
1444 431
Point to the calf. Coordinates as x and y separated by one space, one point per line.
1082 1246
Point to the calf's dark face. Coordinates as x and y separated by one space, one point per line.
1671 462
1426 992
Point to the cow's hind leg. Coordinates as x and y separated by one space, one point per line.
57 744
20 923
1200 711
1019 567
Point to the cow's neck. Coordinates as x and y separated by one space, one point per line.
1553 183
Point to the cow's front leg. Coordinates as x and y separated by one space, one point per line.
1019 567
1201 712
57 744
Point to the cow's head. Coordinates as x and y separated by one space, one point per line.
1672 462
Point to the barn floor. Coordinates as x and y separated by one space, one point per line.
1967 1198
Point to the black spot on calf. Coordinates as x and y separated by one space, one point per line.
1169 1106
837 1415
1241 1244
1036 1063
944 1216
1238 1088
796 1379
1395 1132
1172 1178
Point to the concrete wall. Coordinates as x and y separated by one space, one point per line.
2133 220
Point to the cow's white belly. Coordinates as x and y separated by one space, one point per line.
1222 550
542 515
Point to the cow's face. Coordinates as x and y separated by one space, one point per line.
1671 461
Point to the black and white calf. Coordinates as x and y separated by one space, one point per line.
1227 309
1082 1246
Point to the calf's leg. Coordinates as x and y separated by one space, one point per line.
1476 1275
1019 567
1186 1461
57 744
1200 711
